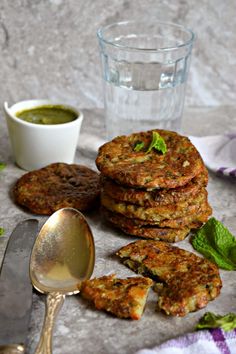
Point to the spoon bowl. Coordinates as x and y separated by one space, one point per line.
63 255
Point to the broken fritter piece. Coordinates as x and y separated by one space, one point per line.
189 281
124 298
189 291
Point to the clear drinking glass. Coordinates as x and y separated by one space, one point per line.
145 68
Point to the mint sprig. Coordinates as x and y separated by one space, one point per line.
210 320
216 243
157 143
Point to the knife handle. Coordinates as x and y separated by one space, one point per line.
54 302
12 349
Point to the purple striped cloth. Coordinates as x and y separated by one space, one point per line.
214 341
218 152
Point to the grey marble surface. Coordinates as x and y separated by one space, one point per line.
81 329
48 48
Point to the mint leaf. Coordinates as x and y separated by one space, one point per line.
2 166
202 245
232 254
1 231
223 239
157 143
216 243
139 146
210 320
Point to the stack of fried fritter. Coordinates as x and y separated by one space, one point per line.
152 194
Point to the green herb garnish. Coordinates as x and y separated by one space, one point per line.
157 143
217 244
139 146
210 320
2 166
1 231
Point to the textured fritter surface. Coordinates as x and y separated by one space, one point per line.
125 298
157 213
189 281
149 198
57 186
181 163
145 231
191 221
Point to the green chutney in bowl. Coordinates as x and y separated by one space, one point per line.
49 114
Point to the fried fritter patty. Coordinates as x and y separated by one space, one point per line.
192 221
151 198
125 298
57 186
118 160
153 232
189 281
157 213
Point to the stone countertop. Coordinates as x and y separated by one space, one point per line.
81 329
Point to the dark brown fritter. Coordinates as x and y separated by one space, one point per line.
151 198
56 186
189 281
181 163
157 213
153 232
125 298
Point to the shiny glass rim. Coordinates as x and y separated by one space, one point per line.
101 37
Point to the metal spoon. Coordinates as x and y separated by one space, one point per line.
63 255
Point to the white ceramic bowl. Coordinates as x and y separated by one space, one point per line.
37 145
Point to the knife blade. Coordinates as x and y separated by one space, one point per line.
16 288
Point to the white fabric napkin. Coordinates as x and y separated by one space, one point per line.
218 152
214 341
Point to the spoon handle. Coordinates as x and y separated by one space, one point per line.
54 302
